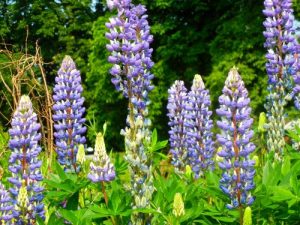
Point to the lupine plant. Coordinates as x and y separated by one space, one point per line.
198 125
176 107
101 169
221 195
24 162
281 68
68 114
129 36
235 138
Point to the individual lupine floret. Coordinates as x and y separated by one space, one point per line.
130 38
24 162
235 136
198 125
101 169
68 114
176 106
6 206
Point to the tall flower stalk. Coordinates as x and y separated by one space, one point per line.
68 114
198 125
176 107
101 169
24 162
280 65
235 136
129 36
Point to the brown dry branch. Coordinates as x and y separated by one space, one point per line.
26 75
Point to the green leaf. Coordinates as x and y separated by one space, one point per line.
281 194
69 215
72 202
286 166
60 171
154 138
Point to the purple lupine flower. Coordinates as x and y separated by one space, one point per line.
198 125
101 169
24 162
176 107
280 41
6 205
296 76
68 114
129 35
281 46
130 39
235 136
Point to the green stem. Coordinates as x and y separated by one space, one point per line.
241 215
104 193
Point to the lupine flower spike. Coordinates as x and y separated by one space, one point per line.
178 205
24 162
281 67
129 36
198 125
247 219
176 107
235 136
101 169
68 114
80 157
296 76
6 206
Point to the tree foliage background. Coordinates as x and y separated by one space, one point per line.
190 36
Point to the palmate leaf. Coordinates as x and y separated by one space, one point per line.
78 217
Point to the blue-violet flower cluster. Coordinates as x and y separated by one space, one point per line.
296 76
68 114
281 67
101 169
235 136
24 162
6 206
280 41
130 38
198 125
176 107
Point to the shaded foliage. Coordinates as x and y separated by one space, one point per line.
190 36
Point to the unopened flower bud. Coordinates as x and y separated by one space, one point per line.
80 154
247 219
178 205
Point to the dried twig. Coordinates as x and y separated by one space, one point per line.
24 70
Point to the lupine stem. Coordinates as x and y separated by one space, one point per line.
104 192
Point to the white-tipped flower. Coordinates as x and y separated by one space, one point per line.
23 197
101 169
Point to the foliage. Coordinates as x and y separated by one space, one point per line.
191 36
